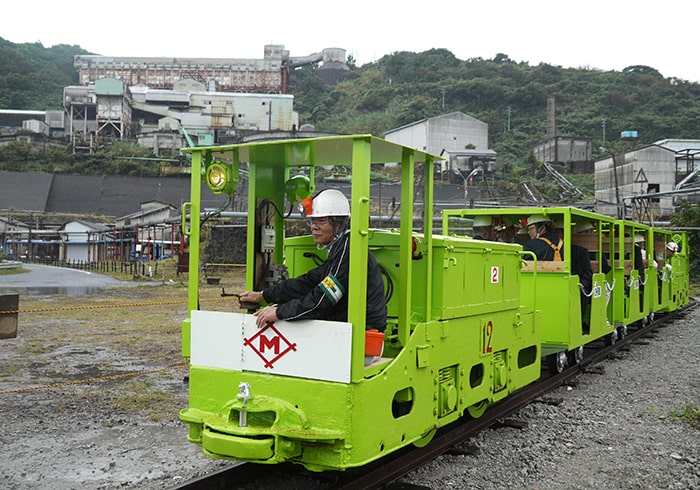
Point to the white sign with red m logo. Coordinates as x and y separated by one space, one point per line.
314 349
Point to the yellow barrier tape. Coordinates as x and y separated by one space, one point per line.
92 380
99 307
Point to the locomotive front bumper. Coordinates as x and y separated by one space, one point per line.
274 431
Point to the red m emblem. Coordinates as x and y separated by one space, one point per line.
277 343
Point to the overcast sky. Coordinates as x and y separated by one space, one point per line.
595 34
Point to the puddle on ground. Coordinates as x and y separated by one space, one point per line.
56 290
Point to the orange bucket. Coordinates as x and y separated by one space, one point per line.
374 341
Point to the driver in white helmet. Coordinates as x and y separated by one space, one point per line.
322 292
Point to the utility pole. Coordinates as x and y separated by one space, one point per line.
604 123
617 184
508 112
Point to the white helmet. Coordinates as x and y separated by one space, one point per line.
329 202
538 218
482 221
672 247
638 238
583 227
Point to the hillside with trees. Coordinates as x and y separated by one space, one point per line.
32 77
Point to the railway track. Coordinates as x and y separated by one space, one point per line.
382 473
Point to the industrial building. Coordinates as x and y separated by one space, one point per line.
166 120
266 75
461 139
571 154
625 183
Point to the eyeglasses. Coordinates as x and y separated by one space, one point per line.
319 221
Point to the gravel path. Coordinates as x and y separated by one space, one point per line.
614 428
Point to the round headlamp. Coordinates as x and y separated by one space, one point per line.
219 178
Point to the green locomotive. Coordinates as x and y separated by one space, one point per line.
458 336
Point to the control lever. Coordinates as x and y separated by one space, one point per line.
250 307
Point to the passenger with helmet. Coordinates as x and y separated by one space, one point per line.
670 250
508 228
640 254
482 228
581 267
581 258
321 293
544 243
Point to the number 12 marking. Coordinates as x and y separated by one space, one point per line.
488 336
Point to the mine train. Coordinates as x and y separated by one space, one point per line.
469 321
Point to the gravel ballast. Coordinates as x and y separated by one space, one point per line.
614 427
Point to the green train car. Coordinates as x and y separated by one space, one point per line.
607 277
459 335
671 264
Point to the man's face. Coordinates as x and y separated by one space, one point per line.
322 230
532 231
507 234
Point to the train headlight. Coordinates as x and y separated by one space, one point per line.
219 178
298 190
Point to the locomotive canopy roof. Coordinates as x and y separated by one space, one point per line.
326 151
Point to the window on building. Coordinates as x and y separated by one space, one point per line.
653 188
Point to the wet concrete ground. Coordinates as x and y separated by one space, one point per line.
44 279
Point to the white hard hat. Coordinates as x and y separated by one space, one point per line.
638 237
481 221
583 227
672 247
538 218
329 202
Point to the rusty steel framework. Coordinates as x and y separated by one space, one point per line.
262 76
222 74
266 75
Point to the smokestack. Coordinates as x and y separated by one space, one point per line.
551 118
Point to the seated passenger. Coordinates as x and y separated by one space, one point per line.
581 267
544 243
665 270
639 254
581 258
671 250
508 228
482 228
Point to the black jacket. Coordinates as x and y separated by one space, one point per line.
322 293
581 266
542 249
